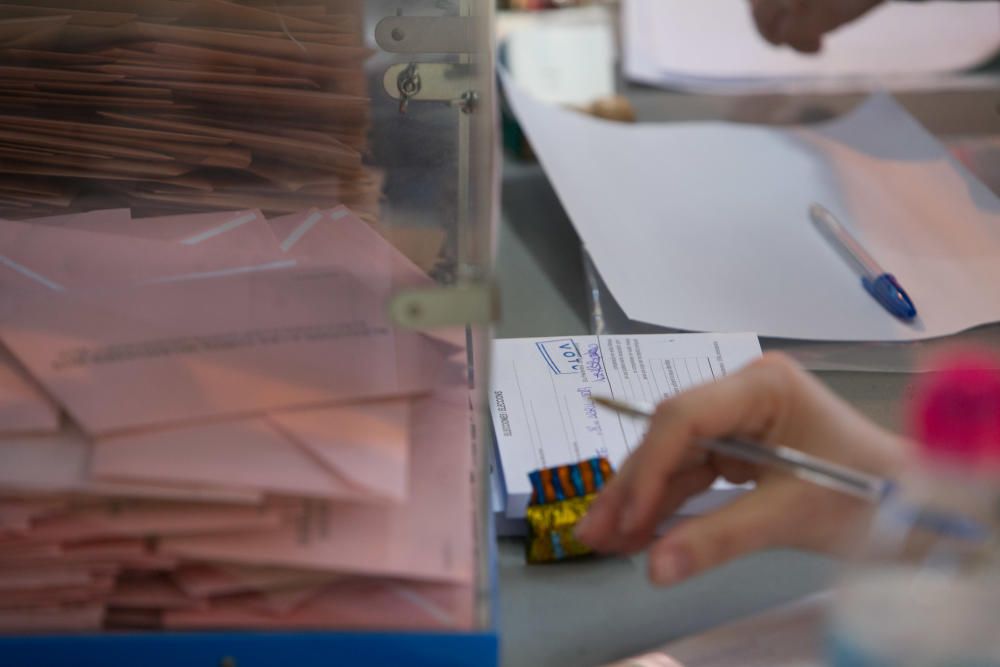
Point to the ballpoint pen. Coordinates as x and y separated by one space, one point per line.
883 286
818 471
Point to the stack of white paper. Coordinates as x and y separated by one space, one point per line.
713 45
705 227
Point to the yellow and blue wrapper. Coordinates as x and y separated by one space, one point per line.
561 497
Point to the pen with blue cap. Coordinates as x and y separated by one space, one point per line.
882 285
816 470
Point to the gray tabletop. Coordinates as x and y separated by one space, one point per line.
592 612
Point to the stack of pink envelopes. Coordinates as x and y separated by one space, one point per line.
209 421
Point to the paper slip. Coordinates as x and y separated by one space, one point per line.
542 395
717 237
428 538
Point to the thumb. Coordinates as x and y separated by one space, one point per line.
750 523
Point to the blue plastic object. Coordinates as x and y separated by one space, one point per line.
887 291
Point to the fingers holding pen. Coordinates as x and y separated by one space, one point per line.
626 514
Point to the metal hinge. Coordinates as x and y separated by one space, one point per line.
439 307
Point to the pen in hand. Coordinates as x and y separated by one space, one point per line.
810 468
882 285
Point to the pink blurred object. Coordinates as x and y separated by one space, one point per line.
955 412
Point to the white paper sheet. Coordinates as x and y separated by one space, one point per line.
566 57
704 226
788 636
714 44
542 406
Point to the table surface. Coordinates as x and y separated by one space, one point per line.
591 612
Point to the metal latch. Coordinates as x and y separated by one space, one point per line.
438 307
432 82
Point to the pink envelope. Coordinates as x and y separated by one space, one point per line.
154 592
59 464
340 238
337 236
356 603
29 579
96 587
226 347
241 228
78 618
203 580
17 514
367 444
24 408
285 601
429 537
123 553
146 519
356 453
61 258
55 596
86 220
16 549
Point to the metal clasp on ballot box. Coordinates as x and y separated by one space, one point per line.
472 298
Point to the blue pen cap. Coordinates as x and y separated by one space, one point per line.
888 292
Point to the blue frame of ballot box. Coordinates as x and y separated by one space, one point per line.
477 648
252 649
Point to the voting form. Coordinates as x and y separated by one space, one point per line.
542 394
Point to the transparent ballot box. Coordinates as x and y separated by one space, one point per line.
245 270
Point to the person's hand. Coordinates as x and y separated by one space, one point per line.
801 24
772 401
